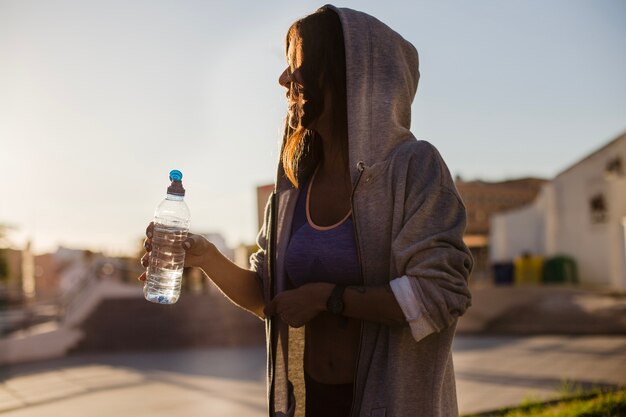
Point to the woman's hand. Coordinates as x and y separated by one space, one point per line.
196 247
299 306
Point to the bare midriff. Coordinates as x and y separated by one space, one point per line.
331 348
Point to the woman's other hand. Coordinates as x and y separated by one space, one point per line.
299 306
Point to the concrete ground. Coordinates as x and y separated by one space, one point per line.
492 372
514 344
219 382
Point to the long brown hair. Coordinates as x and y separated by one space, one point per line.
323 67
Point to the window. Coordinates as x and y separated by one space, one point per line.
598 207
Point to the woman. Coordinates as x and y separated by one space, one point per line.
362 240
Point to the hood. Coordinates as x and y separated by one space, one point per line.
382 73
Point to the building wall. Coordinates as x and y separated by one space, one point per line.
621 274
581 213
520 231
594 237
47 276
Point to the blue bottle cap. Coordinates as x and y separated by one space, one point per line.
176 187
176 175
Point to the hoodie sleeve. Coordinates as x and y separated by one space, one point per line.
257 259
429 250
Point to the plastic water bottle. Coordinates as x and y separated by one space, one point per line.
167 258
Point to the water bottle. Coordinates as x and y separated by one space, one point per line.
167 258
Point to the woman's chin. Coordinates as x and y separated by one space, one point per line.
293 120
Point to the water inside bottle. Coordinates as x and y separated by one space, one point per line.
165 270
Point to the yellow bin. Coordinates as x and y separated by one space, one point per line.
528 269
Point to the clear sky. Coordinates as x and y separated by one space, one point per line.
100 99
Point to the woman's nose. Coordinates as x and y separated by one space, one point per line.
284 78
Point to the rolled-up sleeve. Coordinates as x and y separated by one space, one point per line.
429 251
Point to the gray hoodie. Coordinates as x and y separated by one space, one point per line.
409 222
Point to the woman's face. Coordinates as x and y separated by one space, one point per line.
291 79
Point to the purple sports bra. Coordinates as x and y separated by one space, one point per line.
321 254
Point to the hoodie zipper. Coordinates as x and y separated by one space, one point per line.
271 266
360 167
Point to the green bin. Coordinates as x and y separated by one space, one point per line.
560 269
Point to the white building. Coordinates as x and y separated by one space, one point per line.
581 213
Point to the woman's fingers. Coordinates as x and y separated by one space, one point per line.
147 244
150 230
270 309
193 243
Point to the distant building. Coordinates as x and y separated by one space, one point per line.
220 243
49 276
196 281
581 213
484 199
242 254
74 266
263 193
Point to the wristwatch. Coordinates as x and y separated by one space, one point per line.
334 304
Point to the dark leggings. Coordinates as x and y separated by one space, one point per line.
327 400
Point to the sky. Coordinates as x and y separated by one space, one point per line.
99 100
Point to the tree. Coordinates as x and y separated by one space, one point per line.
4 266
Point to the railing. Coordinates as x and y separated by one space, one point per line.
69 301
58 309
29 314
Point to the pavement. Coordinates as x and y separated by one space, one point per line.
513 345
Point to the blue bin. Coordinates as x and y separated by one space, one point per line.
503 273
